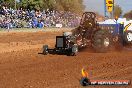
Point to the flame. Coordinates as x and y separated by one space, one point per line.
84 73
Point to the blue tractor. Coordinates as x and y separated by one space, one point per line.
119 33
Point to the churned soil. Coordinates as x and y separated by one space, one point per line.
23 66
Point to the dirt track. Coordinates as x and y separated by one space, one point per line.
21 65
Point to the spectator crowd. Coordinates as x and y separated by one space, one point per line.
21 18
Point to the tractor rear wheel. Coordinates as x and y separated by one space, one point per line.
74 50
101 41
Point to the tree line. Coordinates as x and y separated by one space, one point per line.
118 12
75 6
63 5
128 15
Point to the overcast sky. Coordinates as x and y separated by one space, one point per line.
98 5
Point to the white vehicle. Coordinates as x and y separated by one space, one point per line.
128 33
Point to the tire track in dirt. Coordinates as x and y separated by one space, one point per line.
20 46
19 41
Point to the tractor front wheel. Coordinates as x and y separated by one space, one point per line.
45 49
74 50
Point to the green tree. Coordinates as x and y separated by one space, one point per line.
1 1
117 11
31 4
64 5
70 5
8 3
128 15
